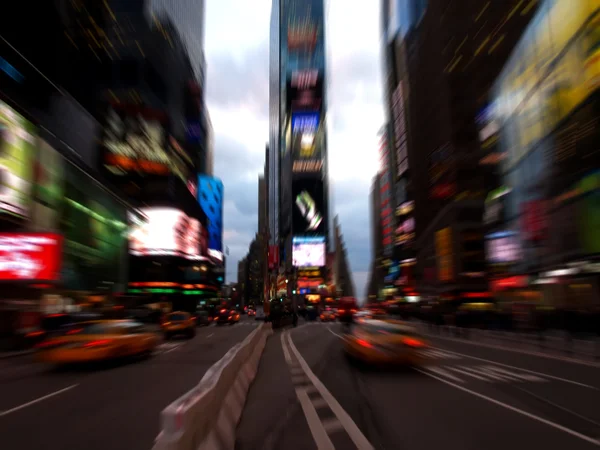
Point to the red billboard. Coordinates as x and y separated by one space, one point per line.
30 256
273 257
533 220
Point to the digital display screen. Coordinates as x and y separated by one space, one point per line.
17 153
308 213
166 232
30 256
503 250
309 251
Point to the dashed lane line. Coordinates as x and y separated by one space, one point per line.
37 400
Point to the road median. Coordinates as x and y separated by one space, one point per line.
206 417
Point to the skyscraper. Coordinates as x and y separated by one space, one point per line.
298 182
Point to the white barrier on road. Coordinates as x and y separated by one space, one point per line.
206 417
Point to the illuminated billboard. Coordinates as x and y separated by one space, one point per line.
166 232
134 143
30 256
17 154
307 142
503 247
400 135
210 198
444 254
307 96
309 251
303 33
308 211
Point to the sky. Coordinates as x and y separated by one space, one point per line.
237 54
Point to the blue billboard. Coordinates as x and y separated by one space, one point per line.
210 197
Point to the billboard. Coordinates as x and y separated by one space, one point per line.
303 33
308 215
166 232
17 153
503 247
136 143
444 254
309 251
307 142
304 92
210 197
30 256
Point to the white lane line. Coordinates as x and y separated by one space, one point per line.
172 349
565 380
286 352
319 402
335 334
518 375
314 423
211 334
444 373
514 350
37 400
469 374
353 431
514 409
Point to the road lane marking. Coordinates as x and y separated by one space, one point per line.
514 409
319 403
466 372
211 334
37 400
332 425
516 375
514 350
314 423
286 352
334 333
565 380
353 431
444 373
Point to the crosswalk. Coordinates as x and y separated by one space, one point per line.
446 365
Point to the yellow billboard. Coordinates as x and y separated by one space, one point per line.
554 68
443 250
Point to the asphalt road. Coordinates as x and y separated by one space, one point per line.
115 406
467 396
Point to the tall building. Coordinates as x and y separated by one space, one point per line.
542 239
375 282
441 59
262 205
343 274
298 137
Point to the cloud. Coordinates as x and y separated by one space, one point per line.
243 81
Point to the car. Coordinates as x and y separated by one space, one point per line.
95 341
226 315
260 315
203 318
327 316
393 342
347 307
251 313
179 323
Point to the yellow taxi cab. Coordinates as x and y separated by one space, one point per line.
97 341
179 322
327 316
384 342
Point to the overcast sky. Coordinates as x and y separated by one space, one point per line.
237 53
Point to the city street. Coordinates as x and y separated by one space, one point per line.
116 406
467 397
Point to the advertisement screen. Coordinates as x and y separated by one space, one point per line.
444 254
134 143
304 96
309 251
307 142
309 214
503 249
166 232
17 152
210 197
30 256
